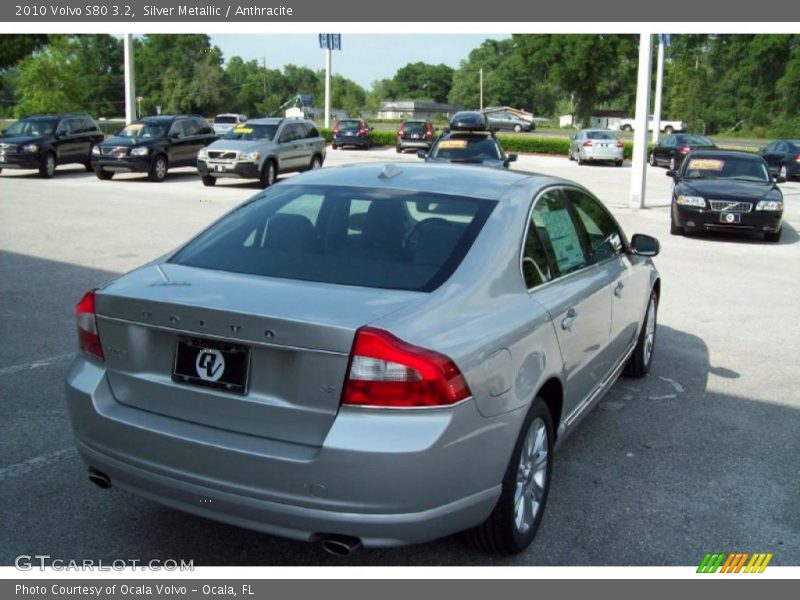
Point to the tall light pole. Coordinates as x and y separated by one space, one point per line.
638 174
481 86
264 58
659 84
130 82
327 87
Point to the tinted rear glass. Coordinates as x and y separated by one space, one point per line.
694 140
226 120
468 148
414 127
349 124
350 236
600 135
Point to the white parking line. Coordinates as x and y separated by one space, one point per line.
45 362
39 462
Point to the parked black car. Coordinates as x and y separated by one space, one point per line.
351 132
45 141
468 141
672 149
728 190
414 134
783 158
153 145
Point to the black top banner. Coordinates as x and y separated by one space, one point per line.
463 11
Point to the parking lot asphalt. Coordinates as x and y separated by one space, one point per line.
700 456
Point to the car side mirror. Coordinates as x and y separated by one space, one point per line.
422 154
673 174
780 179
644 245
370 128
511 158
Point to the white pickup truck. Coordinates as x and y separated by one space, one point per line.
665 125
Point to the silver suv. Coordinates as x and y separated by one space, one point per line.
261 149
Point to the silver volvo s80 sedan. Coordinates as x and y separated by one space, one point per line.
374 354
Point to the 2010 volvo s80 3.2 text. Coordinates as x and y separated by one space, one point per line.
375 354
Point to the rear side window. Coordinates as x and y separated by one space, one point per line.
350 236
312 132
203 127
604 237
559 232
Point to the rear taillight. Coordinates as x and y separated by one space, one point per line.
400 131
335 131
685 149
362 132
385 371
587 144
619 144
797 158
88 339
429 132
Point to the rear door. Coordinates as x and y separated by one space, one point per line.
288 152
578 296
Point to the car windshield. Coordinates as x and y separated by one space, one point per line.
225 119
694 140
33 127
349 124
473 148
365 237
726 167
248 132
142 129
600 135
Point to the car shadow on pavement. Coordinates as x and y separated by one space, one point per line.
661 471
65 172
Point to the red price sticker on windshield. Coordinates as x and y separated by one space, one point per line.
706 164
446 144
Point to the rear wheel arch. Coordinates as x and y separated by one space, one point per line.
552 392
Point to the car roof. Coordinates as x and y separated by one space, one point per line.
460 180
268 120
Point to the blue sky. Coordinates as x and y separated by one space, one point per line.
363 58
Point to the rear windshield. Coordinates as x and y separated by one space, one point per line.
247 133
600 135
342 235
349 124
694 140
226 119
414 126
468 148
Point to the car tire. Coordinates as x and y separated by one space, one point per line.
674 228
784 172
569 155
158 169
517 128
47 167
398 149
673 164
334 146
618 163
316 163
511 528
268 174
652 159
668 130
773 237
626 128
103 174
578 158
208 180
638 364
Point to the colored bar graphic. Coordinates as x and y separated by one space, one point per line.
734 562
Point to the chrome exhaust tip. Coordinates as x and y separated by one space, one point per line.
340 545
101 480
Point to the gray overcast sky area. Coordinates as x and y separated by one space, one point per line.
363 58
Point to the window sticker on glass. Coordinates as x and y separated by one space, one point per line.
444 144
243 129
564 239
706 164
134 127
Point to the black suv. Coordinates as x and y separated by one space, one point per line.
45 141
153 145
468 140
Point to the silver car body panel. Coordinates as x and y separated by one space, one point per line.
286 458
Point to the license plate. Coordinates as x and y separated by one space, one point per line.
2 158
414 136
212 364
730 218
220 167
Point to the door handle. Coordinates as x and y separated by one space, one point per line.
569 320
618 289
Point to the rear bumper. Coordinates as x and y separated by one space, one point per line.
386 478
754 221
351 140
605 155
235 169
411 143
